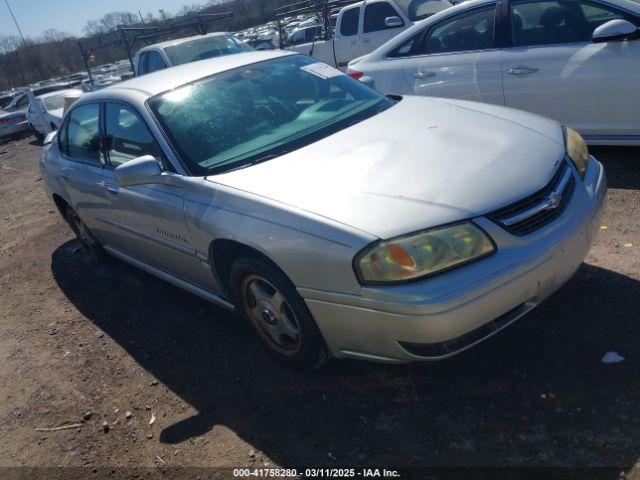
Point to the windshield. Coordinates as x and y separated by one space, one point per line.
262 110
204 48
54 103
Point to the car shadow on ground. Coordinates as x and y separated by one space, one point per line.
622 165
536 394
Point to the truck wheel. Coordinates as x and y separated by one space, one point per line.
267 299
86 237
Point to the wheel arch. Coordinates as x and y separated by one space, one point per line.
61 205
223 252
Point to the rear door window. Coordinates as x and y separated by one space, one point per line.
349 25
142 63
155 62
83 133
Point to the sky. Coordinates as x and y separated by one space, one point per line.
36 16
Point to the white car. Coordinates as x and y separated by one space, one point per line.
185 50
362 27
46 111
576 61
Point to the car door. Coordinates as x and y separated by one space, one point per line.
553 68
83 168
147 220
375 31
456 57
36 115
347 41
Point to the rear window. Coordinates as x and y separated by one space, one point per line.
204 48
54 103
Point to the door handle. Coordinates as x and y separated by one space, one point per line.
521 70
424 74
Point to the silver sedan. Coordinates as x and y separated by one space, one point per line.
335 220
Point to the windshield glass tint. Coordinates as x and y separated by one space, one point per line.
204 48
54 103
261 110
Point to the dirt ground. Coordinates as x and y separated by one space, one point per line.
85 341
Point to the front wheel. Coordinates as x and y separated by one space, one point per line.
267 299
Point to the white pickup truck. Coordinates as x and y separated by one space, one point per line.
364 26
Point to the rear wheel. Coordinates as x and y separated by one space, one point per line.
267 299
86 237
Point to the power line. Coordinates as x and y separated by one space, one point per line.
15 21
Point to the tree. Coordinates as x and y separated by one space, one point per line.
109 22
53 35
9 43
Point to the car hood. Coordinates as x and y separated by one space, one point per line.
422 163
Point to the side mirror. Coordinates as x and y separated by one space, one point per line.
614 30
139 171
393 22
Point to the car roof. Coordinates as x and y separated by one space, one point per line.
179 41
170 78
56 93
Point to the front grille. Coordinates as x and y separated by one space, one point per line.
539 209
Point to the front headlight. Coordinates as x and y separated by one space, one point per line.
422 254
577 150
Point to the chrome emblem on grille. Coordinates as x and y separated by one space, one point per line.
553 200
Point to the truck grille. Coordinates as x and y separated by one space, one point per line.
537 210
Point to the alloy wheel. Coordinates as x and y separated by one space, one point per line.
272 316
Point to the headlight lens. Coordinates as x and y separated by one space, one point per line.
422 254
577 150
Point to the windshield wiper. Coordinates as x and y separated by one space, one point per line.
271 156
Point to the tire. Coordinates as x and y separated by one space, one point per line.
83 233
267 299
37 134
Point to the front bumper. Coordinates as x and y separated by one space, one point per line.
441 316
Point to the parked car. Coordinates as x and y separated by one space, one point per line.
336 221
364 26
7 97
577 61
46 111
185 50
304 35
13 118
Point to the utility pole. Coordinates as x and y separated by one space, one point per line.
15 21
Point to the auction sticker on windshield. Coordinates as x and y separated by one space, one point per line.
322 70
